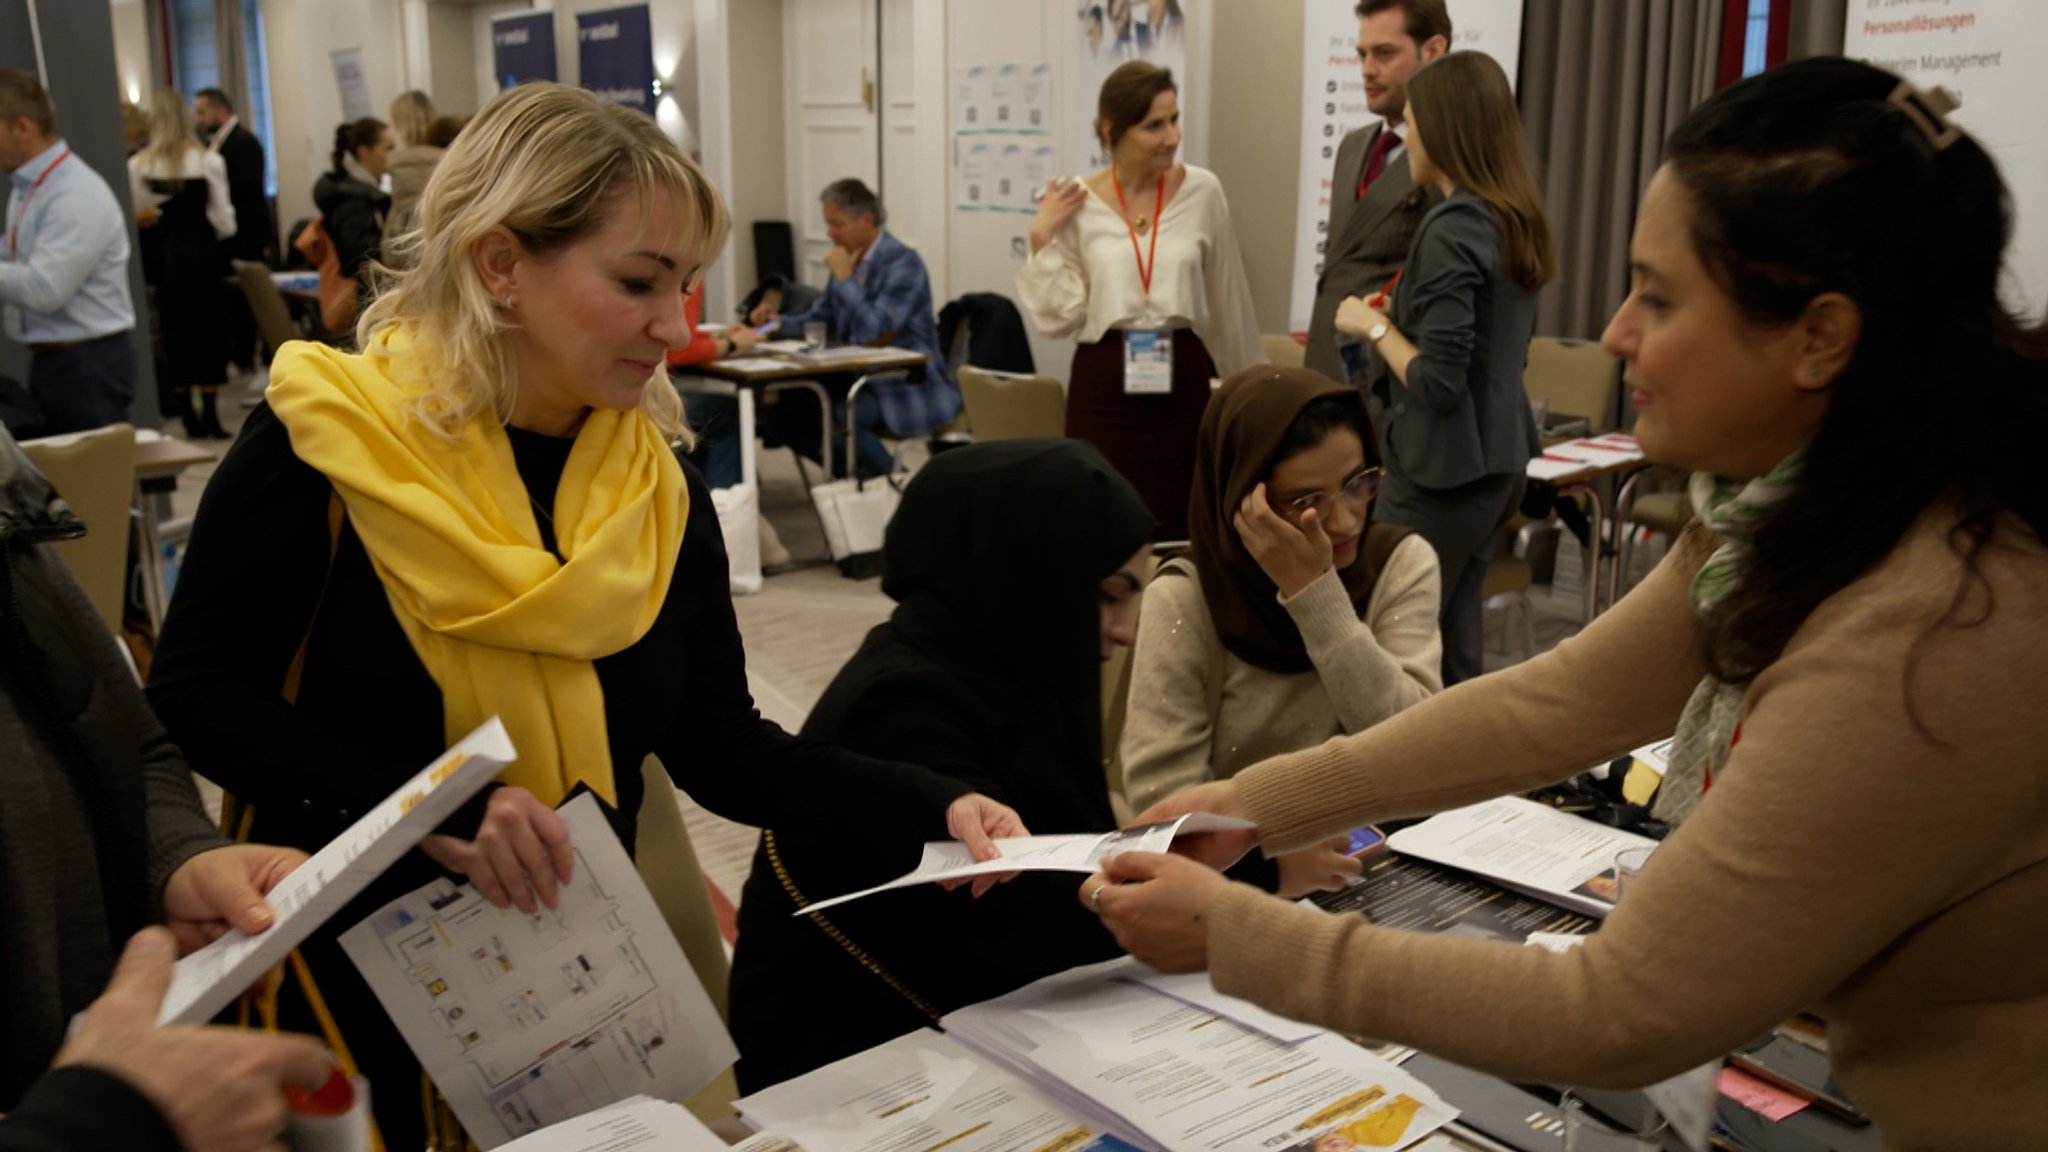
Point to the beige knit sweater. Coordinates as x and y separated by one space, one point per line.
1892 877
1198 713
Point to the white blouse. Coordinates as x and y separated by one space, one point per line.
1086 281
220 211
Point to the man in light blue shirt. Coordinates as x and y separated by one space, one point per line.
64 270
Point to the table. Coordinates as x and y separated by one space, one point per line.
1573 466
768 372
158 464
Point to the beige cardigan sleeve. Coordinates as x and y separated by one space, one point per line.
1794 876
1375 666
1168 727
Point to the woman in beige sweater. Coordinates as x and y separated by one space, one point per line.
1853 661
1295 617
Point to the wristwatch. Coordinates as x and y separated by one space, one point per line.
1376 333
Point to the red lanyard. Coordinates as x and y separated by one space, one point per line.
15 228
1145 262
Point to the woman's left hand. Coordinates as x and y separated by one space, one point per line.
978 821
1356 318
1293 557
1157 907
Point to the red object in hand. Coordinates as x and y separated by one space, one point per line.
333 1098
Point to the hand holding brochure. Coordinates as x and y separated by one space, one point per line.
526 1020
1082 853
208 980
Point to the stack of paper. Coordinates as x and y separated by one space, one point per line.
1188 1079
1591 454
1528 847
632 1123
921 1091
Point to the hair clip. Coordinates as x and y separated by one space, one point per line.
1928 109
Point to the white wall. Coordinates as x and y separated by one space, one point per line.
131 50
986 248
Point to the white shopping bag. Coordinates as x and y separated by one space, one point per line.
856 514
739 520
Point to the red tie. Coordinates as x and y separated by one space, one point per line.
1376 160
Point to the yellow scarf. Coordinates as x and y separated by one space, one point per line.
503 627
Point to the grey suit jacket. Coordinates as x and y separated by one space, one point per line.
1463 413
1367 239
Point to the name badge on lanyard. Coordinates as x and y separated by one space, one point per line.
1148 340
1148 357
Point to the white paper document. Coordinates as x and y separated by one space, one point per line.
637 1122
856 354
754 364
917 1093
1188 1080
209 980
781 347
1081 852
1196 988
1527 846
528 1020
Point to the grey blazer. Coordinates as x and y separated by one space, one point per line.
1463 414
1366 240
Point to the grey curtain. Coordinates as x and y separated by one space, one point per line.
1603 82
233 59
1817 28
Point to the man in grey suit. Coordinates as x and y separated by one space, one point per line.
1375 206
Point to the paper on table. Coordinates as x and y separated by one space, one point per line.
852 353
525 1021
208 980
1195 988
1526 846
920 1091
1190 1080
638 1121
1081 852
783 347
754 364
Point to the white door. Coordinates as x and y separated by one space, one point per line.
832 79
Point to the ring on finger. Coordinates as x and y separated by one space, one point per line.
1095 899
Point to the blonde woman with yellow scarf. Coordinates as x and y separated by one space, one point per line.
515 537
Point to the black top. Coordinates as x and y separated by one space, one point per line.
352 212
988 672
368 715
86 1110
254 238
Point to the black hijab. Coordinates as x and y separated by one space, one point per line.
995 559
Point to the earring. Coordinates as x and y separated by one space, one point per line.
511 300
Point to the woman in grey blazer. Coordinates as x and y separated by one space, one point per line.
1458 431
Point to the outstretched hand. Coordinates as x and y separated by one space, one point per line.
1157 907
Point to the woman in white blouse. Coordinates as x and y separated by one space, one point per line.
181 202
1139 264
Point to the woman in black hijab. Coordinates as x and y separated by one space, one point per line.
1014 567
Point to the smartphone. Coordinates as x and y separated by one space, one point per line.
1798 1069
1366 841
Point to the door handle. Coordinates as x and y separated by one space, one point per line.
867 90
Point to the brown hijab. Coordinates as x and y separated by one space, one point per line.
1242 430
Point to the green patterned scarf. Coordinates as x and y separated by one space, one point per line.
1731 510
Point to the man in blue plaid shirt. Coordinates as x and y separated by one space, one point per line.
879 295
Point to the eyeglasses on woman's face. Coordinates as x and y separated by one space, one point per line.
1357 491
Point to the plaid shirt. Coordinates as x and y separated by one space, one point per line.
888 300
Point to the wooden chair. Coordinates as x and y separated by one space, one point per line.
1005 406
95 474
1574 378
273 315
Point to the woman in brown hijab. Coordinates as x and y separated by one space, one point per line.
1295 617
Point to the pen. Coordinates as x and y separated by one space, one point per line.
1380 301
